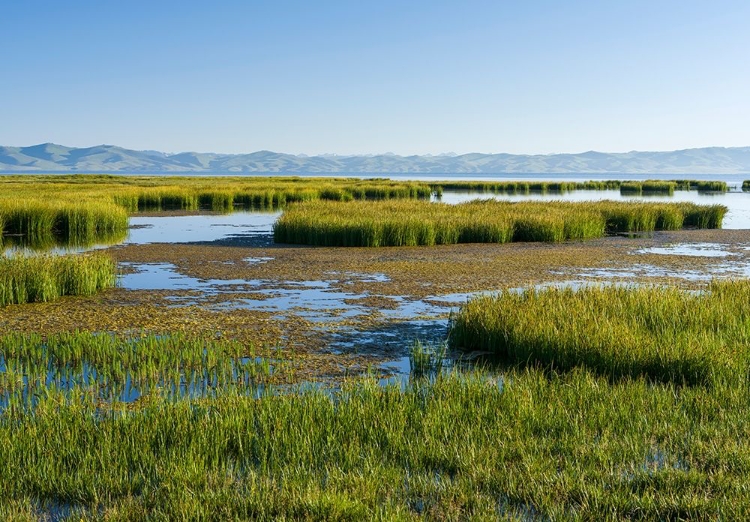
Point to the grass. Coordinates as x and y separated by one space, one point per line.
410 223
701 186
523 187
661 333
426 359
530 445
155 193
42 222
27 279
626 187
648 188
114 370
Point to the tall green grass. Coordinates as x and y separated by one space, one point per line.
39 221
27 279
265 194
528 446
410 223
661 188
661 333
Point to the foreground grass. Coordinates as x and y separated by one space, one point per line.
661 333
27 279
532 445
409 223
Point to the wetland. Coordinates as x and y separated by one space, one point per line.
221 370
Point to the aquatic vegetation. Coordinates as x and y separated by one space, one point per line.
27 279
628 188
427 359
117 370
411 223
701 186
662 333
568 446
39 221
224 194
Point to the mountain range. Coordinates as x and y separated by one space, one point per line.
52 158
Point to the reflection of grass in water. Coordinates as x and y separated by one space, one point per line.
568 446
49 241
662 333
411 223
26 279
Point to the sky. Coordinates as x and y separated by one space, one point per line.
367 77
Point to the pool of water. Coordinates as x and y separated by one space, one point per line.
238 226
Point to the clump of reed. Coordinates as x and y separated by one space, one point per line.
463 446
412 223
650 187
662 333
27 279
71 223
625 187
746 185
523 187
701 186
427 359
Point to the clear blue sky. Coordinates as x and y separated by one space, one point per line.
409 77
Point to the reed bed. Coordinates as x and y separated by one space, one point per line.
662 333
571 446
661 188
28 279
701 186
411 223
626 187
523 187
265 198
38 221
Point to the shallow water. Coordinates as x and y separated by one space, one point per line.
314 300
239 226
693 250
124 385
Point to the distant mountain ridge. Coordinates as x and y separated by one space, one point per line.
52 158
